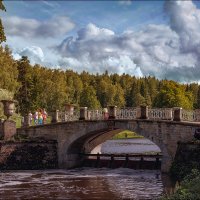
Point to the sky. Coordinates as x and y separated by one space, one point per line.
140 38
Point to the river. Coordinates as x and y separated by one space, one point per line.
89 183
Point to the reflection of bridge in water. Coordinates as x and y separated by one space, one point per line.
82 132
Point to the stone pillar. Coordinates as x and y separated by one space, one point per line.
55 117
177 114
26 121
83 113
144 112
69 108
112 110
171 114
9 129
88 115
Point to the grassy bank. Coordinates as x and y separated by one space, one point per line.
126 135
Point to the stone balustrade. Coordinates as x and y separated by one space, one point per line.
160 113
113 112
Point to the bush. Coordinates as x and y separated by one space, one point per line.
189 188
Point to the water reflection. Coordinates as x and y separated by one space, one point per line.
90 183
82 183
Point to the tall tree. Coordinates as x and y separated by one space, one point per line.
24 78
173 94
8 70
2 34
89 98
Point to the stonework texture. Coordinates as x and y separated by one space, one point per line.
28 155
9 129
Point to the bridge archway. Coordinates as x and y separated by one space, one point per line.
87 143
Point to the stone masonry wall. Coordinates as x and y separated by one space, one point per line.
28 155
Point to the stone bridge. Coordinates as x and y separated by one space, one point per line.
82 136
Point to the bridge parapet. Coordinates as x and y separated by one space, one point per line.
175 114
161 113
127 113
190 115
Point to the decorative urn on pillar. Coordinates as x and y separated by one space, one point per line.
9 126
69 108
112 110
9 107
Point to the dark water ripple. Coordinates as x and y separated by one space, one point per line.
87 183
83 183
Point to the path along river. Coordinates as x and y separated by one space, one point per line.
89 183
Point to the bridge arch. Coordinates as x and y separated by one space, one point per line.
88 142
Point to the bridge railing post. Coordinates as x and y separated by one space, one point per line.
27 121
177 114
83 113
69 108
88 115
112 110
144 112
55 116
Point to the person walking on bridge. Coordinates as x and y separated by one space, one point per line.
36 118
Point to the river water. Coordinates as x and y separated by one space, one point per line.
88 183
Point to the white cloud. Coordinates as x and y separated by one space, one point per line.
165 51
185 21
30 28
97 49
159 50
35 54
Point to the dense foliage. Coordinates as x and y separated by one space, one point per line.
39 87
189 188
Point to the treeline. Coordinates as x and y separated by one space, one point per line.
39 87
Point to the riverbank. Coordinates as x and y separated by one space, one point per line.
127 135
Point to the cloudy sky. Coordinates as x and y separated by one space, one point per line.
141 38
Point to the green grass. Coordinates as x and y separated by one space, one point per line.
18 119
126 135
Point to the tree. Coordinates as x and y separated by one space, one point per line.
198 98
4 94
173 94
2 34
89 98
8 70
56 93
24 78
74 87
